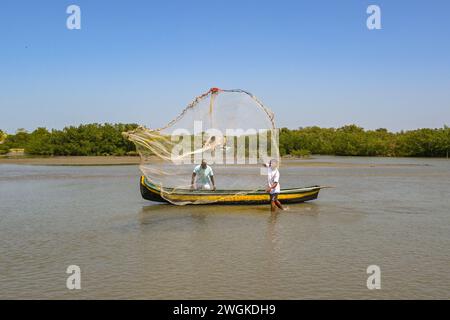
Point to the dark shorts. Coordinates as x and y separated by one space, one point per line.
273 196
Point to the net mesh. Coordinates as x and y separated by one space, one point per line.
230 130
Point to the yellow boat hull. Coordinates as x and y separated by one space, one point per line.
152 192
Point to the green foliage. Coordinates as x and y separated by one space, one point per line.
84 140
2 136
3 148
301 153
351 140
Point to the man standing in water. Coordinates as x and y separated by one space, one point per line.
205 177
273 181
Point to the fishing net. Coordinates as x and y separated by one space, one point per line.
2 137
230 130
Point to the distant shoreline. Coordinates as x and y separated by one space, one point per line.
134 160
73 160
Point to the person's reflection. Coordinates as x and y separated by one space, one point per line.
199 218
272 233
273 245
159 213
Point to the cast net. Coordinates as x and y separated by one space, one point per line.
229 130
2 137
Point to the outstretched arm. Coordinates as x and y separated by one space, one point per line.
213 183
193 179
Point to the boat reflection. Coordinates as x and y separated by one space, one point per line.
157 214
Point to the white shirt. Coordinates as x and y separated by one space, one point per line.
273 175
203 175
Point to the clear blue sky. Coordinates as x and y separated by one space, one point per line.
311 62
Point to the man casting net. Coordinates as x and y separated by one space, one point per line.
214 148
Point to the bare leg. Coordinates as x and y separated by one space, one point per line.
273 206
278 204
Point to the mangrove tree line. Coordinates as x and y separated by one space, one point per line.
351 140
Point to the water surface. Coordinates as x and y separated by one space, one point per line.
394 213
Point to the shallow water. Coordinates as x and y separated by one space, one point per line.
394 213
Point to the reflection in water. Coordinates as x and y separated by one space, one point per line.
272 235
160 213
152 214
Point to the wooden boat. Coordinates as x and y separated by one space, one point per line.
152 192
